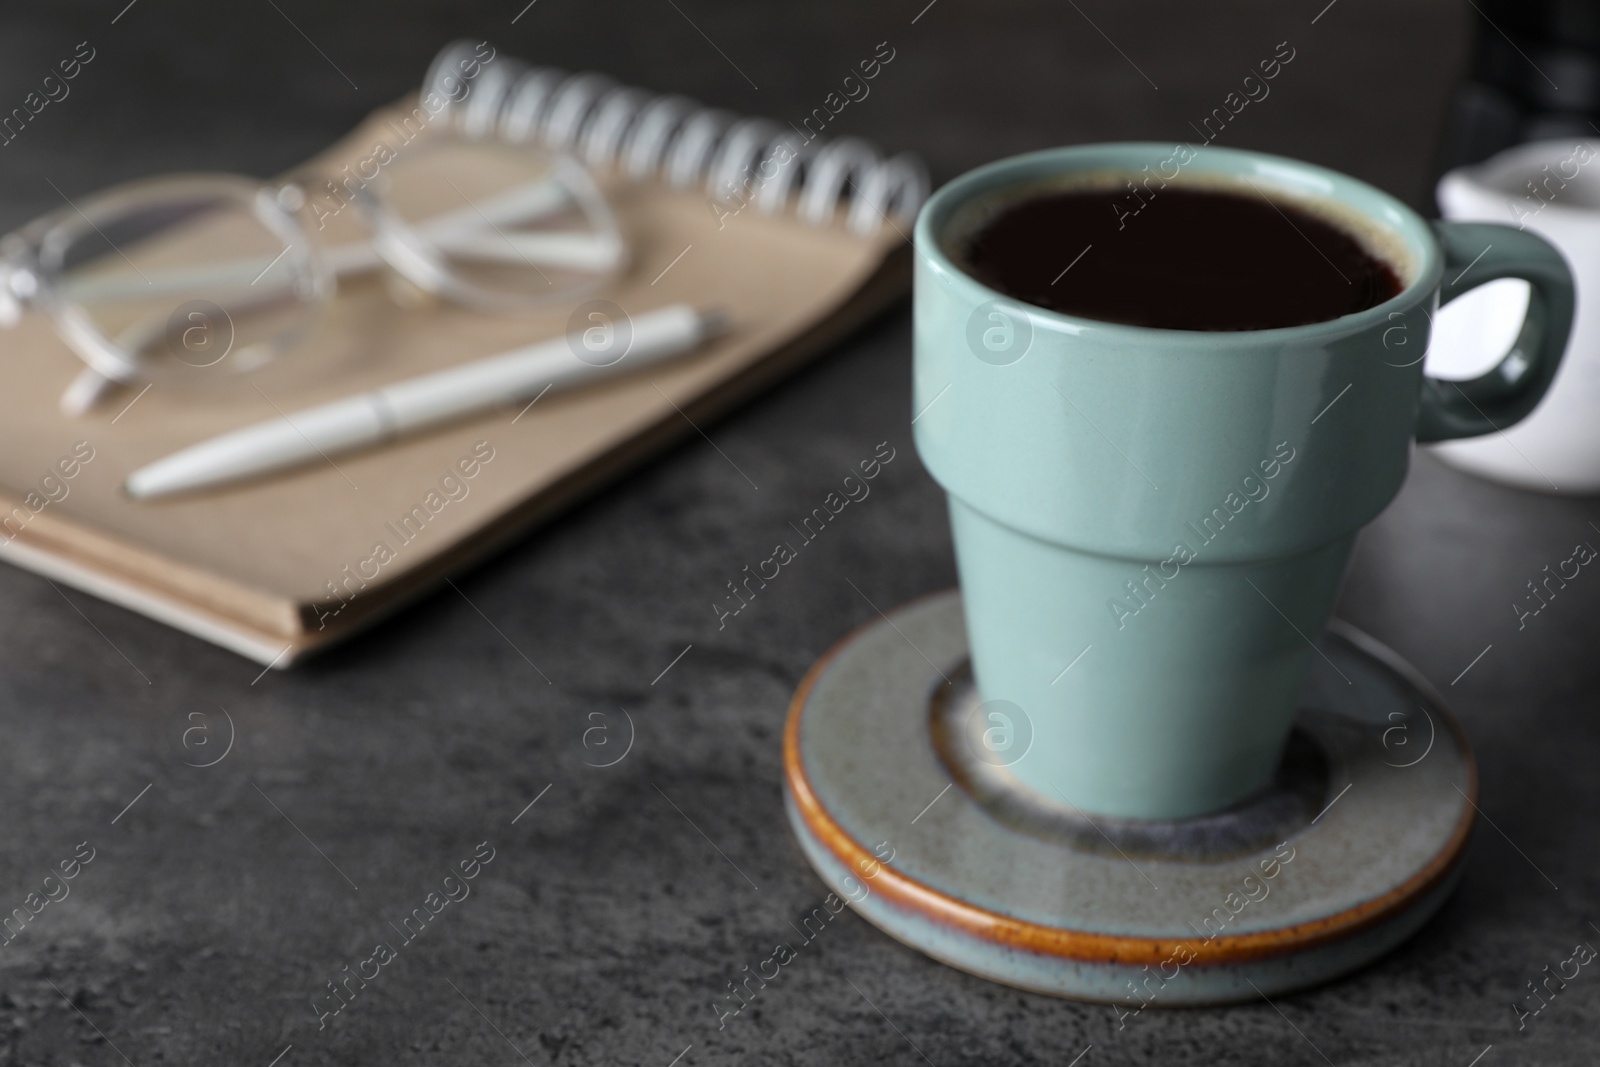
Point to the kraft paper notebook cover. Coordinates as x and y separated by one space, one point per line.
278 567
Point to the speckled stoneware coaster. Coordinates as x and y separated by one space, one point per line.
1348 853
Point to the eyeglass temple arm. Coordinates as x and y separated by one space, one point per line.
459 232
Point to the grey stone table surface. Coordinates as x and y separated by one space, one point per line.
217 907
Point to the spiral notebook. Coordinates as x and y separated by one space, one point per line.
279 567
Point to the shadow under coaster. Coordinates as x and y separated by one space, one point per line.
1354 846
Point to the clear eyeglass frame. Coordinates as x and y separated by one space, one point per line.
159 279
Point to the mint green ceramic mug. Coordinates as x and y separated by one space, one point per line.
1151 525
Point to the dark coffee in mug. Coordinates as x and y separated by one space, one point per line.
1186 258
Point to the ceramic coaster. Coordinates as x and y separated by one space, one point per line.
906 813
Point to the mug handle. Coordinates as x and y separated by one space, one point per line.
1476 253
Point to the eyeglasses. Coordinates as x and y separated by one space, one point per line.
178 277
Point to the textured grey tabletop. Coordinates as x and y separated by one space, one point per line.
219 905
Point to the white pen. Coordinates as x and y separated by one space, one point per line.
385 413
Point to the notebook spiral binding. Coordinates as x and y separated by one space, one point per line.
679 141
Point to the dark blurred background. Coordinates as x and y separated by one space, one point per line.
1535 76
257 85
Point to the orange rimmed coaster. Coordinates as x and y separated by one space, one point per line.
1359 844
